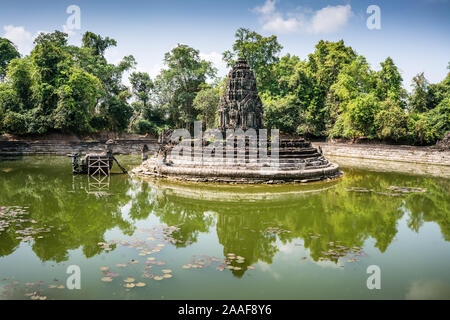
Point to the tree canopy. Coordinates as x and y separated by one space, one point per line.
8 52
332 93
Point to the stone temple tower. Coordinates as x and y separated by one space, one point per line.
240 106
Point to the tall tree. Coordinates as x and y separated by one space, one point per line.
8 52
323 68
419 100
206 103
141 87
97 43
390 81
260 52
179 83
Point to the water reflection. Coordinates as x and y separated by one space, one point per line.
78 218
249 221
335 216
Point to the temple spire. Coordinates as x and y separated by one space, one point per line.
240 106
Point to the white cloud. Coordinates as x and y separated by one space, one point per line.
24 40
20 37
267 8
278 24
330 19
326 20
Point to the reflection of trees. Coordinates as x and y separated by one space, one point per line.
8 243
336 214
77 219
433 206
191 217
240 234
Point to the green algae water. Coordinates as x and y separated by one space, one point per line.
146 239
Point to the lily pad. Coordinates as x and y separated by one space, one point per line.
140 284
129 280
106 279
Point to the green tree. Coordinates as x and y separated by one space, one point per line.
97 43
118 112
50 60
260 52
362 111
354 80
65 88
8 52
15 123
283 76
141 87
419 100
391 123
206 103
389 82
77 100
20 79
283 113
181 80
323 68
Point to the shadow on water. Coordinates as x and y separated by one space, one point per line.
250 221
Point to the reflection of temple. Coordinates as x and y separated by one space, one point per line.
240 107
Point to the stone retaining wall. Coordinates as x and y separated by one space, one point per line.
412 154
62 148
422 155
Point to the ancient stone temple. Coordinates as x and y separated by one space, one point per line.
240 106
240 150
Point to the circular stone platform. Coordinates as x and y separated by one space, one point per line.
236 175
298 162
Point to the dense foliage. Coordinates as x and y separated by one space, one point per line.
65 88
333 93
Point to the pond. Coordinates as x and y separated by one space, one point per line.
136 239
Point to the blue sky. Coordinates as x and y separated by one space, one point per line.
414 33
